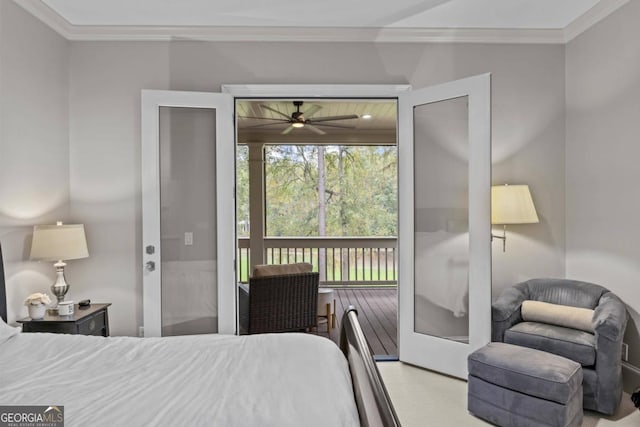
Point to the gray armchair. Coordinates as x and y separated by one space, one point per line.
599 353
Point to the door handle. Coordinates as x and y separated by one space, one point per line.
150 266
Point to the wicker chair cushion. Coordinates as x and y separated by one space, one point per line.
281 269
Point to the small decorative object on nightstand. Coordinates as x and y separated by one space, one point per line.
37 305
90 320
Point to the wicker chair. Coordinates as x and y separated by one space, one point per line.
279 303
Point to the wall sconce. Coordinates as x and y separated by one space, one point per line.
511 204
59 243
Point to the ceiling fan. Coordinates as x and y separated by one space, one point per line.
303 119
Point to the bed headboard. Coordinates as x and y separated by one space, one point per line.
3 291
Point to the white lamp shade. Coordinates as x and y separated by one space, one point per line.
58 242
512 204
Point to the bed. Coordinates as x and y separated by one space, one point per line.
289 379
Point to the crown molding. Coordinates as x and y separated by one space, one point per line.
317 34
591 17
47 15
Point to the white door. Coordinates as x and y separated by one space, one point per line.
188 209
444 223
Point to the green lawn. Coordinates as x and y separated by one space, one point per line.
355 274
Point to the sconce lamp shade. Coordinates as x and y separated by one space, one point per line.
512 204
58 242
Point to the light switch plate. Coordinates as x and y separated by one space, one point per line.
188 238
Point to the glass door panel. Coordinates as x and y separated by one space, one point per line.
441 219
188 221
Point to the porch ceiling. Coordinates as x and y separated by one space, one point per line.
379 129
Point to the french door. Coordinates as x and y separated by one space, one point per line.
187 213
444 169
444 224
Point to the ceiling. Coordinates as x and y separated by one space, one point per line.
326 13
526 21
379 129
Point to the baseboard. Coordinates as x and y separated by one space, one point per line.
630 377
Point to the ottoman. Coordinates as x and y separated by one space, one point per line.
517 386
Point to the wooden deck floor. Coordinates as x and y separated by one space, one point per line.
378 316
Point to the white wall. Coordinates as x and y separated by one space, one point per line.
106 79
105 174
34 150
528 112
603 156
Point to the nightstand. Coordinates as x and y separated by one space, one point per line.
91 320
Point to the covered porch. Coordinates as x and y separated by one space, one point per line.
361 271
377 313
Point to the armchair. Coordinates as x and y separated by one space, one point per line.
279 298
599 351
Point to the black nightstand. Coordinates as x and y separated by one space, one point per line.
91 320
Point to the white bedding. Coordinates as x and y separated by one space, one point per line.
258 380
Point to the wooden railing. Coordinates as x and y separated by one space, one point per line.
341 261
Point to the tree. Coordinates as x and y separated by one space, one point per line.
335 190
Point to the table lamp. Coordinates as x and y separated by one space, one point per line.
59 243
511 204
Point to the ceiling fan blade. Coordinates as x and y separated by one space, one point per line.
262 118
330 118
287 130
314 129
333 126
311 111
262 125
275 111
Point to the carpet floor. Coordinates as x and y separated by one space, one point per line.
425 398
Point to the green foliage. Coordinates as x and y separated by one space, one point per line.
242 191
360 190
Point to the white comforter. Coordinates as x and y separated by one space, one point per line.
206 380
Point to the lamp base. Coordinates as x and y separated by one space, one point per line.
503 238
60 287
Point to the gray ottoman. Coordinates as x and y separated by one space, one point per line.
517 386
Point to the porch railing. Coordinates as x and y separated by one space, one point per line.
341 261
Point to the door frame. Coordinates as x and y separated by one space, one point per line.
329 91
314 90
432 352
151 101
311 91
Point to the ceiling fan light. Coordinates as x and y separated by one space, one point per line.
366 116
297 125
